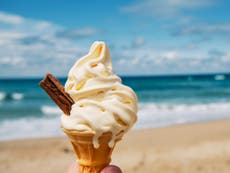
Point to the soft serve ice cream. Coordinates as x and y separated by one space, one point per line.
102 103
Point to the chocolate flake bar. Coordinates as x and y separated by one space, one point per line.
57 93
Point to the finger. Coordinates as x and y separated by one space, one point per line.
111 169
73 168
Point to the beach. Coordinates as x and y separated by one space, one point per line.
159 71
197 147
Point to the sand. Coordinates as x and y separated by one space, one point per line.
192 148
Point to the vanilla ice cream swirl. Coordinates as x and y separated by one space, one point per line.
102 102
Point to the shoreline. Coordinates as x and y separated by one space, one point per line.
132 130
193 147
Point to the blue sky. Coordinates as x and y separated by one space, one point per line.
145 37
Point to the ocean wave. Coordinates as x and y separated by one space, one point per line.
30 128
17 96
149 115
219 77
2 96
11 96
50 110
156 115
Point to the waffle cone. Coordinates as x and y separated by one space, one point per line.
91 160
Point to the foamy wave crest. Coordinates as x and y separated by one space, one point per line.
2 96
219 77
149 115
155 115
30 128
11 96
50 110
17 96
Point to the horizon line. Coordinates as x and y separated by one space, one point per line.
125 76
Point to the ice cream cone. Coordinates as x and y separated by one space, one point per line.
91 159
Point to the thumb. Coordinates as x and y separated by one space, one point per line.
111 169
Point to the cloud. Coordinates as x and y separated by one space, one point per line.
10 18
32 48
171 55
7 36
201 30
29 40
137 42
164 8
179 18
147 61
174 16
78 33
221 56
11 60
35 47
216 53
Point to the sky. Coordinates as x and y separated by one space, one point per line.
145 37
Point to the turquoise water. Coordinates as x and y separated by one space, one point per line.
163 100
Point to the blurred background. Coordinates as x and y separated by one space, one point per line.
175 54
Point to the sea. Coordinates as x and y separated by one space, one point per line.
27 112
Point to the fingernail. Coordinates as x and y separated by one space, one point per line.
111 169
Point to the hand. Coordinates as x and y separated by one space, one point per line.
108 169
